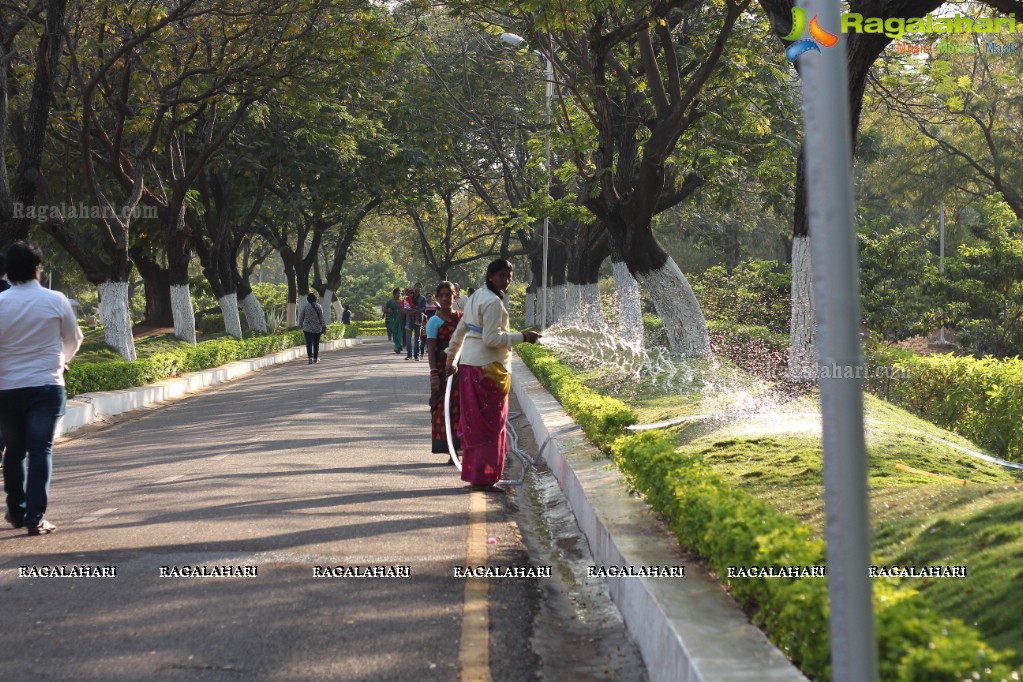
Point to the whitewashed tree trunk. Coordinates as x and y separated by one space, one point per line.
560 303
292 315
255 316
113 297
802 329
573 315
530 311
592 309
183 312
630 309
325 301
679 310
339 310
232 320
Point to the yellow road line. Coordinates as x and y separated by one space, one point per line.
474 649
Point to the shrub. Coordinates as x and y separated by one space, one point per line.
83 377
979 399
212 323
730 527
755 292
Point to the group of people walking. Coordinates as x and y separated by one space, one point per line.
470 338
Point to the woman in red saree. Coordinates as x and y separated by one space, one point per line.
484 377
439 329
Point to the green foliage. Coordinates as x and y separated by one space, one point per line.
897 274
271 296
211 324
601 418
90 377
979 399
730 527
756 292
984 288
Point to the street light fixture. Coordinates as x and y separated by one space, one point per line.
519 42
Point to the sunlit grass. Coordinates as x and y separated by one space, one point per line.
952 509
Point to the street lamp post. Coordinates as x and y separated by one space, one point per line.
519 41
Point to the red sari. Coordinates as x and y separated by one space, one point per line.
484 396
440 438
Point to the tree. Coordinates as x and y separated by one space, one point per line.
897 274
983 287
32 122
967 109
862 51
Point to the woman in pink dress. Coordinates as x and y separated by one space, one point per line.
484 381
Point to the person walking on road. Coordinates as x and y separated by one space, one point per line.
484 337
439 329
4 286
38 336
311 320
346 314
413 308
392 311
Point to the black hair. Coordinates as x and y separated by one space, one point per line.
3 265
495 267
396 290
311 298
444 285
23 257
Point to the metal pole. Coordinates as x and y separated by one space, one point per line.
828 149
549 92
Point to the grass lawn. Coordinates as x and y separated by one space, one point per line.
931 504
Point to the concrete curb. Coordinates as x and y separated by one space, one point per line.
687 629
87 408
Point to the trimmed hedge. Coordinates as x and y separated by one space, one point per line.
85 377
373 328
979 399
730 527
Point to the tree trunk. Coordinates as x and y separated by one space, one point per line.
113 297
36 122
255 316
325 303
530 307
587 252
678 309
156 281
232 320
592 312
630 306
572 316
803 333
183 312
289 275
179 256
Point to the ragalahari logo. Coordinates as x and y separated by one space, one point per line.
818 36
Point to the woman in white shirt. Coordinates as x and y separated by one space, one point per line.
485 340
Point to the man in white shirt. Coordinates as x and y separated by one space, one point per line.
38 336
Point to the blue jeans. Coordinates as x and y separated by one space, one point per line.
28 419
412 341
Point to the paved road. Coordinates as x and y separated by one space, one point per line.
287 470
